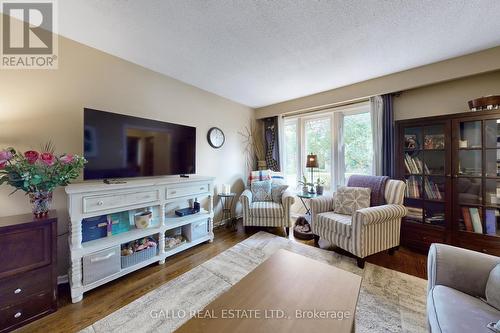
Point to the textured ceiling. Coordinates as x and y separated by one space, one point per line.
263 52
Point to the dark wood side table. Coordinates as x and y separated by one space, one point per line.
28 269
227 208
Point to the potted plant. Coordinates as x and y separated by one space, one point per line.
320 186
38 174
305 185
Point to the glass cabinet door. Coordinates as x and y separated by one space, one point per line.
477 176
425 169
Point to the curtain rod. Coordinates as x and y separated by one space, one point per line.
325 107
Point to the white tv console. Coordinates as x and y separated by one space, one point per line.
162 195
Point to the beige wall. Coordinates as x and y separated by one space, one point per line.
445 98
472 64
38 105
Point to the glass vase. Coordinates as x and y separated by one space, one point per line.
41 201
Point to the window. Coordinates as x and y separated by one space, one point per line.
358 149
341 138
318 137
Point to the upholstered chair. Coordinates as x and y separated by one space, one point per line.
267 213
368 230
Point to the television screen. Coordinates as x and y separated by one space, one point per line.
118 146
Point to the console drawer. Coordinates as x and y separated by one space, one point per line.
17 288
199 229
104 202
177 192
98 265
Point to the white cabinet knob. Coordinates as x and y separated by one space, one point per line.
173 192
17 315
100 203
17 291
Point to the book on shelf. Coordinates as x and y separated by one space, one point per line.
476 220
491 221
467 219
412 188
436 218
414 165
432 190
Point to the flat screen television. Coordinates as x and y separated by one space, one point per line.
120 146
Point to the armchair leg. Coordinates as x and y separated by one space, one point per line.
361 262
287 231
393 250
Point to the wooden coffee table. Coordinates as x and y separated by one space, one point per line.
286 293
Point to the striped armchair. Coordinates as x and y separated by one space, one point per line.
267 213
368 231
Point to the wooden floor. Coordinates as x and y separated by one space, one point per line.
108 298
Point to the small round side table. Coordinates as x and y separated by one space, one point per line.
227 211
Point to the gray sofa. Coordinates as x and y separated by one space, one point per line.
457 280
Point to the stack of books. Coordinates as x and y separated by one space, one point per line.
473 219
432 190
437 218
414 213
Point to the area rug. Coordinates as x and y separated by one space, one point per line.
389 301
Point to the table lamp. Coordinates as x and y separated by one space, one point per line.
312 162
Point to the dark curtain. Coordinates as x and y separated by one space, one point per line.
272 143
388 137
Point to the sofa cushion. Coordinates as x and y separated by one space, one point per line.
450 310
350 199
493 288
331 222
261 190
266 209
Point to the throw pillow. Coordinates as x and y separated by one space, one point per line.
261 190
493 287
260 175
350 199
277 192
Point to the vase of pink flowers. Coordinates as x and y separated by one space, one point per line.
38 174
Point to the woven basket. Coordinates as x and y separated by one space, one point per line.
139 257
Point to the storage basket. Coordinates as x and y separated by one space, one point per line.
138 257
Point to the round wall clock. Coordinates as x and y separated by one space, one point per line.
215 137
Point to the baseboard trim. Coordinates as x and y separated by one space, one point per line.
62 279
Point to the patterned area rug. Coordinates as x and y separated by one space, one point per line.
389 301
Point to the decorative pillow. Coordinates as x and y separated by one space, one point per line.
261 190
256 176
277 192
493 288
277 178
350 199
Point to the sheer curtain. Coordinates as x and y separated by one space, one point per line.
377 117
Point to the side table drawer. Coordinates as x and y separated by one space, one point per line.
19 287
103 202
17 314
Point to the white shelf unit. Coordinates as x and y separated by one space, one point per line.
91 199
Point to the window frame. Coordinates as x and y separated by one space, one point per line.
335 115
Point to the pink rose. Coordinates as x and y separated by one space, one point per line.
47 158
31 156
2 164
66 159
5 155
